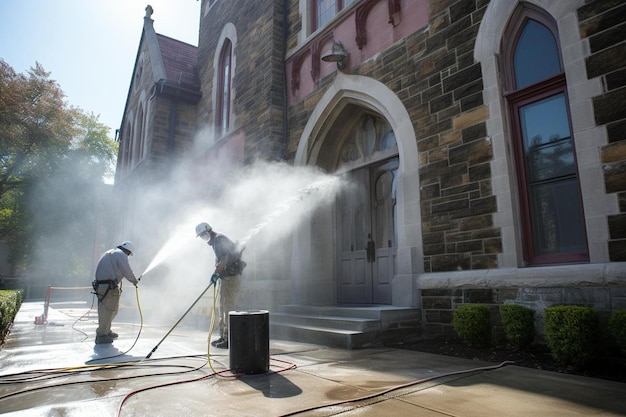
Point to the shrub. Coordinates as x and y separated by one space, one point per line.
10 302
519 324
571 333
471 324
617 327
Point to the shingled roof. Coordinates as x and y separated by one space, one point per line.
180 61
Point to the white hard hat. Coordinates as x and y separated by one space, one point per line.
203 228
128 245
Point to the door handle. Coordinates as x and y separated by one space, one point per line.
371 251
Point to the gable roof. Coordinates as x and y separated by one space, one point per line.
173 64
180 62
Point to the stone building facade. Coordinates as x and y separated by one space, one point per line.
486 138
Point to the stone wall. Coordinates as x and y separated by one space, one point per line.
434 74
602 23
258 84
438 305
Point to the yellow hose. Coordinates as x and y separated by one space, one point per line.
208 354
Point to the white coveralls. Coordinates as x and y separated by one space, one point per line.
112 267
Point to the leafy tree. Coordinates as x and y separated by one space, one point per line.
36 126
52 158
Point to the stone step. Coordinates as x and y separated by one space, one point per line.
335 322
348 327
326 336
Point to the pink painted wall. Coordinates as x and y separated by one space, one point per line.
380 35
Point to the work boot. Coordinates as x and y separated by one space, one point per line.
113 335
222 345
218 341
103 339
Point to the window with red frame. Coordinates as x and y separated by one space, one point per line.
322 11
553 222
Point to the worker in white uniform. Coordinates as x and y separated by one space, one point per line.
112 267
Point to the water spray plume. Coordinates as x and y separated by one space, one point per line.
286 204
171 246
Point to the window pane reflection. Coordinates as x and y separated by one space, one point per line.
547 141
536 55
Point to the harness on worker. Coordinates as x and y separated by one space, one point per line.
111 283
237 266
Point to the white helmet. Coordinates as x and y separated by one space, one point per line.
203 228
128 245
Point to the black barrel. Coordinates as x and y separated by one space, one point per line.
249 341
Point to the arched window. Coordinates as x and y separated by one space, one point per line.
138 139
551 210
222 114
125 144
371 139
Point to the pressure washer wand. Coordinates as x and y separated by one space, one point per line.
181 318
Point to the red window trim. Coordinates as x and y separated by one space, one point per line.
539 91
517 98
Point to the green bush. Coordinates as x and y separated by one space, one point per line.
617 326
10 303
571 334
519 324
471 324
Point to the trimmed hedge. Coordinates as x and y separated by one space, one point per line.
571 333
617 326
10 303
471 324
519 324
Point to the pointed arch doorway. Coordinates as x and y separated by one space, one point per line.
360 129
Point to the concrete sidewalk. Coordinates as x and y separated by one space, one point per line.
304 379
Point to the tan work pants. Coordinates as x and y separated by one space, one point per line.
107 309
229 295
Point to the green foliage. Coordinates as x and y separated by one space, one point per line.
10 302
617 326
471 323
47 147
519 324
571 333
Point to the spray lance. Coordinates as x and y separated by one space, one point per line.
213 282
214 279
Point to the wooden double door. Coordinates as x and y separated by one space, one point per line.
367 235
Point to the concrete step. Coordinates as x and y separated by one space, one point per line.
336 322
326 336
349 327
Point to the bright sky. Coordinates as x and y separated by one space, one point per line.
89 46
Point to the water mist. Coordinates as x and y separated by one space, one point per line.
261 208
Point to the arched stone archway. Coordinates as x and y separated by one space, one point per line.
313 276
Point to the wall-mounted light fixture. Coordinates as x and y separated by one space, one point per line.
337 54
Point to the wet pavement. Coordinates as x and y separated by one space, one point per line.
57 370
